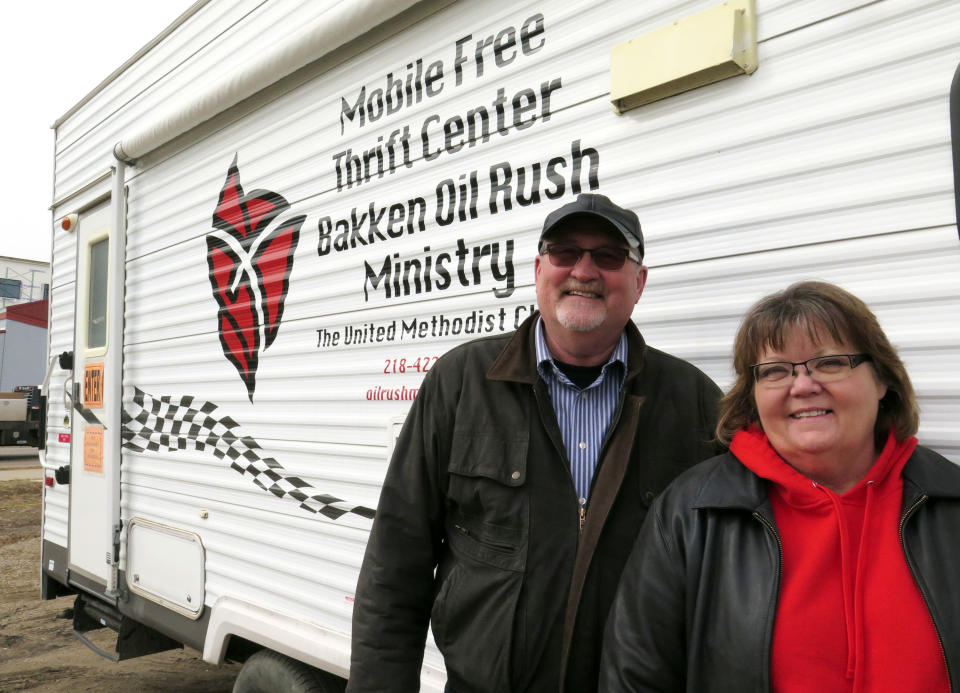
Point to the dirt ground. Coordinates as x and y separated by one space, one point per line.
37 649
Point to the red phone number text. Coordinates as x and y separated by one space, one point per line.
421 364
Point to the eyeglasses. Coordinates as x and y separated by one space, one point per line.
823 369
605 257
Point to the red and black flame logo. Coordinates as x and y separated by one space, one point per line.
250 259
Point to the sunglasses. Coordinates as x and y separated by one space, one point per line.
604 257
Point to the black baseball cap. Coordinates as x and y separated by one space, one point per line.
594 205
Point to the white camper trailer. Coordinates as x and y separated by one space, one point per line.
271 222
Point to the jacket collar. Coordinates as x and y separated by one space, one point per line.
932 474
518 360
731 485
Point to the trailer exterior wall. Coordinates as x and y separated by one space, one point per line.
832 161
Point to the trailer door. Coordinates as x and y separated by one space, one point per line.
89 544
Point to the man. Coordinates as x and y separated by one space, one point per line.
522 475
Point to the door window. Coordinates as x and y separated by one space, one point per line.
97 298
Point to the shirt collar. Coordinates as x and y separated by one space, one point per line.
546 365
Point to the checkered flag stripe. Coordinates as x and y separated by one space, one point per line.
165 423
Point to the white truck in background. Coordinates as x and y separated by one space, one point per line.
23 350
272 220
21 417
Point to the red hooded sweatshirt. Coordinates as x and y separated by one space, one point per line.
850 617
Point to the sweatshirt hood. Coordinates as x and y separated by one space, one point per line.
753 449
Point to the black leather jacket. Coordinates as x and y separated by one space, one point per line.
478 527
697 602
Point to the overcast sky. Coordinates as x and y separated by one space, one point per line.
54 52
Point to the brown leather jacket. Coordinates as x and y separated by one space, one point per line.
478 531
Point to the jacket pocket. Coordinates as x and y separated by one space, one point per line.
488 499
473 620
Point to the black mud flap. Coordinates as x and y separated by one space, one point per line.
133 638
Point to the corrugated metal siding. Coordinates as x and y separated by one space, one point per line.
908 278
60 339
832 161
214 42
86 139
775 17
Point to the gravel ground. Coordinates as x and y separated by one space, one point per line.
37 649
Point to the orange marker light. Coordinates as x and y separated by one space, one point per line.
68 222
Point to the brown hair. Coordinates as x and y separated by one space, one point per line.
817 307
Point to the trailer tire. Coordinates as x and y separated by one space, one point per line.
271 672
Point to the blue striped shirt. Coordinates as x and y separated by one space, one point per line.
583 414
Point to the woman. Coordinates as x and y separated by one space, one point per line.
822 552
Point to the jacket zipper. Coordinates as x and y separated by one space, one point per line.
903 545
776 535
